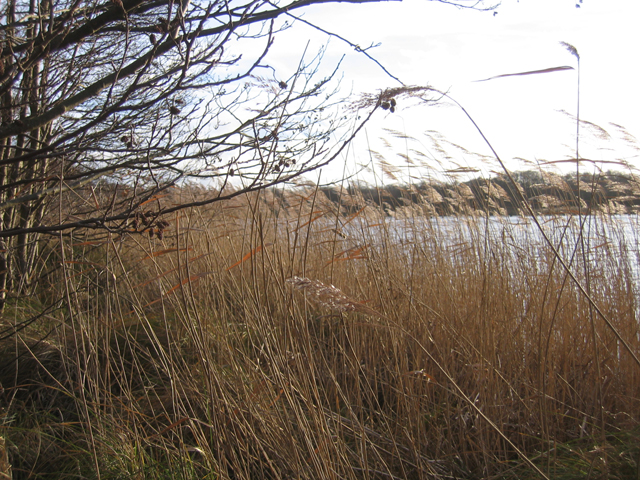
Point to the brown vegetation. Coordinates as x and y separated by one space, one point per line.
414 347
547 193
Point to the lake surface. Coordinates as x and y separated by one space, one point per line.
607 243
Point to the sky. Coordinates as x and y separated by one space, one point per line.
530 117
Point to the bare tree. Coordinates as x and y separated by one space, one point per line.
105 104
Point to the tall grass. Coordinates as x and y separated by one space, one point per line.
447 348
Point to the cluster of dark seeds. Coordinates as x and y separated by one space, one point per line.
164 26
283 163
148 222
174 109
390 105
128 141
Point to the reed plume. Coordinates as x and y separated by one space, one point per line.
329 296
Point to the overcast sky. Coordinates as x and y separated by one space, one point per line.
427 42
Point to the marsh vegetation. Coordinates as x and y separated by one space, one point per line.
220 349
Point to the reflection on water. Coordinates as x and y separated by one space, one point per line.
603 243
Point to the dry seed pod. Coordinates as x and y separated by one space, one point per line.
392 102
385 105
163 26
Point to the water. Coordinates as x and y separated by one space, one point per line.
608 243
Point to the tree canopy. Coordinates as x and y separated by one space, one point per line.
107 104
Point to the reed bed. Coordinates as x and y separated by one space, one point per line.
277 336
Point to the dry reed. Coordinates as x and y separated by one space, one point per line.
191 356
